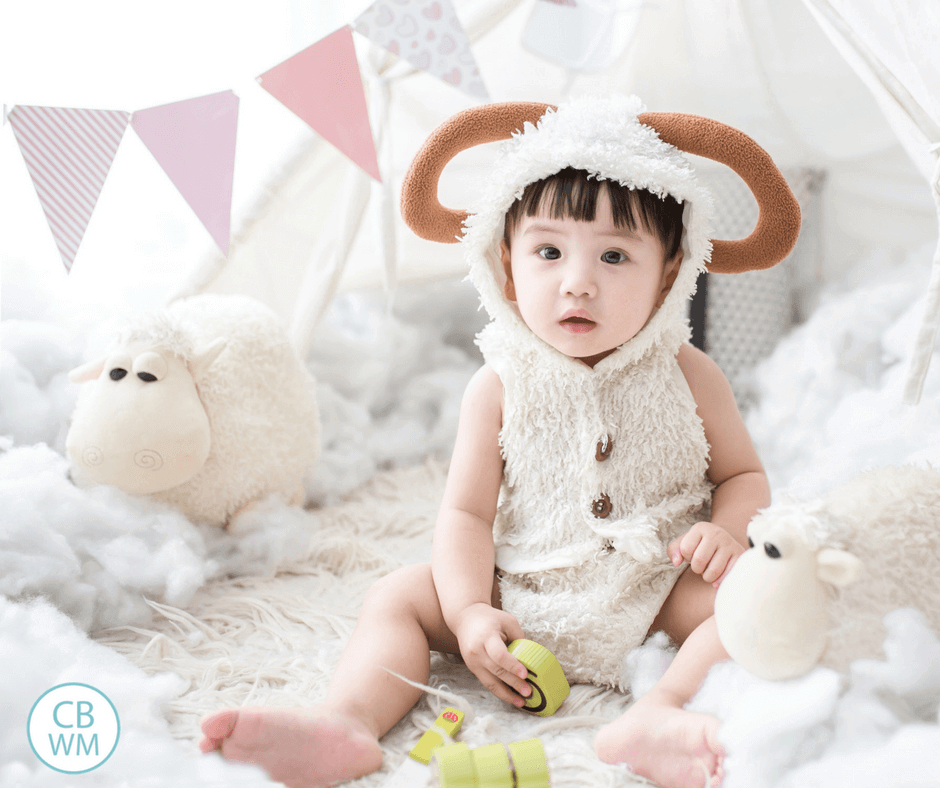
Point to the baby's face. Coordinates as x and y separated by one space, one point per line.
585 288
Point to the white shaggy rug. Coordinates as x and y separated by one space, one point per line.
260 616
274 639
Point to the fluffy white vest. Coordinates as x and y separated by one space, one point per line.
609 458
603 468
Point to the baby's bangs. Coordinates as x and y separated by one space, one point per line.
568 194
573 194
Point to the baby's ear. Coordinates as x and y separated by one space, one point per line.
509 289
670 272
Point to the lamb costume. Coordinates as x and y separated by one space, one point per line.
604 466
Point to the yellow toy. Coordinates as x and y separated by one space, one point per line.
448 721
517 765
521 764
546 677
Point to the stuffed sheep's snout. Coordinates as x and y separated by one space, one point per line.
823 573
140 425
771 608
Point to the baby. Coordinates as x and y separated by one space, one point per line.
602 479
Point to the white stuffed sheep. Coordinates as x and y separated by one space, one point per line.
820 576
204 406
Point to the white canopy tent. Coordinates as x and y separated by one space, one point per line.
859 105
817 83
892 47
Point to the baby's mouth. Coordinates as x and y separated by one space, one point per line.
577 325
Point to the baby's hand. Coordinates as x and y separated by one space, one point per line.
483 632
710 550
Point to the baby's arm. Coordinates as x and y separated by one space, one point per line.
463 559
741 486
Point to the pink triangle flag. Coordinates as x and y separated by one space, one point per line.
194 142
323 87
428 34
68 153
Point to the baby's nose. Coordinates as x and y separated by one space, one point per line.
580 278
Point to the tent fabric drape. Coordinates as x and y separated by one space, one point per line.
764 66
892 46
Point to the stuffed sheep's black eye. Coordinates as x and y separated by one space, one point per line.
117 373
771 550
146 377
750 542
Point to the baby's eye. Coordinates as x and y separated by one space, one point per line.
613 257
548 252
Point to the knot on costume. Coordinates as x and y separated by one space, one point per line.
637 536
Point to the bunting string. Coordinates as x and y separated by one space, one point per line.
68 152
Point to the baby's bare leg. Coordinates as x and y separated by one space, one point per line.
337 740
657 737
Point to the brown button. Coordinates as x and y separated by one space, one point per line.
604 448
601 507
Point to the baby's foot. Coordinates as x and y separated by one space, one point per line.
301 748
670 746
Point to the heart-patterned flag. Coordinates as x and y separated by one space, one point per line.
323 87
68 153
194 143
428 34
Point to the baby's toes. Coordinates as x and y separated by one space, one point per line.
218 726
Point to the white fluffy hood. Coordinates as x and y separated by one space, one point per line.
600 134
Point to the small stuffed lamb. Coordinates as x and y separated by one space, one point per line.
820 577
204 406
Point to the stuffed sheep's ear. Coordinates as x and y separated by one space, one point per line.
838 567
86 372
203 358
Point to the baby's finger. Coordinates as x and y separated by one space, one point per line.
724 574
675 552
689 544
499 689
716 567
511 628
507 668
491 676
702 557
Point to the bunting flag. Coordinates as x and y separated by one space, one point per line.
194 142
68 153
323 87
428 34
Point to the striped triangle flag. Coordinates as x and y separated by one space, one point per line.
194 143
68 153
